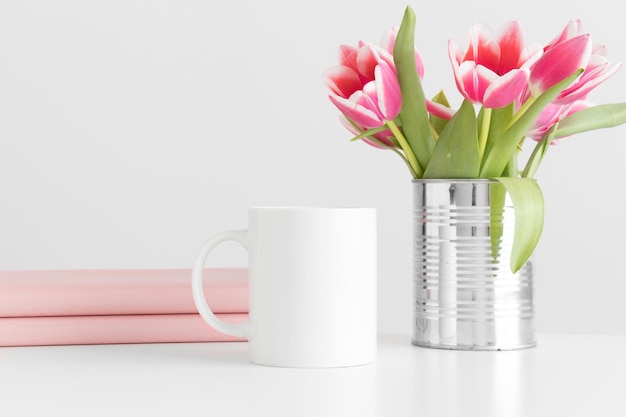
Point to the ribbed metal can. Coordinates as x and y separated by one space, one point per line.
465 295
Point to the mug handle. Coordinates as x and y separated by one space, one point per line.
237 330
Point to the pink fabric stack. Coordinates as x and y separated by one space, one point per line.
116 306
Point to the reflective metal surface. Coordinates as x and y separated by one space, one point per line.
465 295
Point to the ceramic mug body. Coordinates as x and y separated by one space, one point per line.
312 286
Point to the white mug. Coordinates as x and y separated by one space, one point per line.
313 274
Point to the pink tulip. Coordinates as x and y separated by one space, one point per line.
596 72
558 62
597 68
552 114
494 69
572 49
364 87
377 102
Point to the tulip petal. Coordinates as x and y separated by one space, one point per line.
505 89
366 61
467 82
347 56
510 38
389 40
531 54
387 91
343 81
439 110
455 52
477 82
479 36
368 98
485 49
572 29
361 115
559 62
588 81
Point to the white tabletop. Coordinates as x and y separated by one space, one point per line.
563 376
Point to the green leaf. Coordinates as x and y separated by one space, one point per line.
438 123
456 153
527 201
504 147
597 117
413 114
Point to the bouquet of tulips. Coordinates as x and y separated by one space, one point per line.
511 91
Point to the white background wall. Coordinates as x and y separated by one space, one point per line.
131 131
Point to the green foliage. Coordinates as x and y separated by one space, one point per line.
528 203
456 152
596 117
413 115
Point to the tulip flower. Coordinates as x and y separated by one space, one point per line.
364 86
494 69
596 71
552 114
558 62
377 102
573 49
365 89
568 52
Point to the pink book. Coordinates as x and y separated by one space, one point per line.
85 330
110 292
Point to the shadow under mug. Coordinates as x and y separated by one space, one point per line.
313 274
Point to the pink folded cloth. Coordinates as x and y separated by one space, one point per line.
116 306
109 292
85 330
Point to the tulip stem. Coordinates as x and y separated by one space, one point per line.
484 133
414 165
